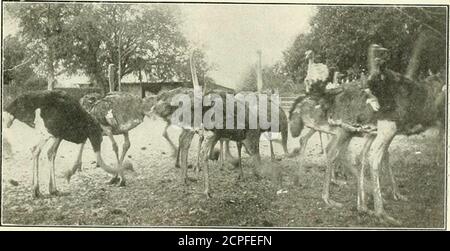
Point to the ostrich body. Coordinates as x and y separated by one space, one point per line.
56 117
117 113
214 135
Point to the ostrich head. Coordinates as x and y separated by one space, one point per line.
88 100
148 104
22 108
309 54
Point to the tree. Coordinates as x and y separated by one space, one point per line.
18 74
84 38
140 40
44 30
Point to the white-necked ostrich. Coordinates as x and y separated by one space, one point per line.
59 117
117 113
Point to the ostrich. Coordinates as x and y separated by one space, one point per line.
161 106
214 135
117 113
412 106
221 132
56 117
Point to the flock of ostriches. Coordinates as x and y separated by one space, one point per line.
56 117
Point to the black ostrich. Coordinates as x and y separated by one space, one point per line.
212 136
58 117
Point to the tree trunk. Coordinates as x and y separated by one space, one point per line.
50 58
119 64
50 72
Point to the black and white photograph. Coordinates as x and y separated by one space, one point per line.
224 115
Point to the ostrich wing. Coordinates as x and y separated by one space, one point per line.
121 111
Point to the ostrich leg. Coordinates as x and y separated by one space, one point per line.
51 157
125 147
333 151
321 143
200 142
272 153
303 142
184 143
227 151
77 165
395 191
115 179
342 152
172 145
221 155
361 202
239 148
36 151
386 132
78 161
210 142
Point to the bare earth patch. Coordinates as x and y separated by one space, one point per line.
154 196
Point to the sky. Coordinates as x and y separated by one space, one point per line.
231 34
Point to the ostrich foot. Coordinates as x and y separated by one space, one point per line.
36 193
113 180
276 159
294 153
79 168
399 197
363 209
67 175
385 218
122 183
339 183
240 177
331 202
54 191
207 195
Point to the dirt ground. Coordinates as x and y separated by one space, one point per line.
154 195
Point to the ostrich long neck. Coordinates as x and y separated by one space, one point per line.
310 62
413 65
194 72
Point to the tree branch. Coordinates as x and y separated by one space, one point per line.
20 65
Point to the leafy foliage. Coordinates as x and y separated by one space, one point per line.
340 37
18 74
85 38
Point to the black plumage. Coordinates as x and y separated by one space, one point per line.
63 119
63 116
